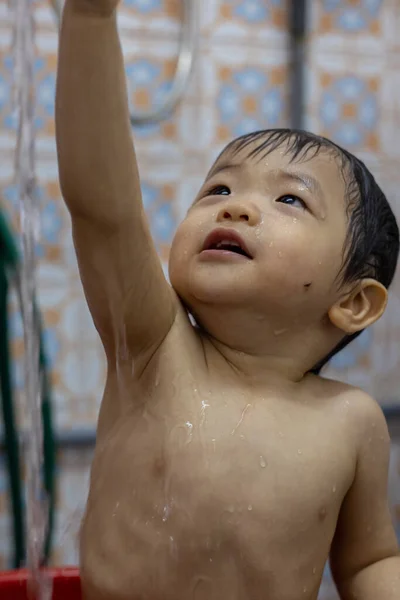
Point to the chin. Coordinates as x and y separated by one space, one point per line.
202 288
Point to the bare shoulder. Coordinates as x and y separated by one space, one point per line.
364 417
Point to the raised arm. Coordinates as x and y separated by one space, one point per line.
132 305
365 556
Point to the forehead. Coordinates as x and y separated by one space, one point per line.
325 166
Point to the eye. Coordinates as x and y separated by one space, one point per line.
292 201
219 190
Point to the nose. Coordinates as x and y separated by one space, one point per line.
240 211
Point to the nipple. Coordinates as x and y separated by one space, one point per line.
202 587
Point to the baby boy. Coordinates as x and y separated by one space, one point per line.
226 468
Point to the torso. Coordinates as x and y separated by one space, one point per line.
205 489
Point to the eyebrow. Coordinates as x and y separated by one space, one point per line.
223 167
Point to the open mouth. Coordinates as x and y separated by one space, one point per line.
224 241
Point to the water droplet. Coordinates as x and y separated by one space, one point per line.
157 381
334 489
165 513
280 254
294 220
263 462
241 436
189 427
203 409
279 331
305 590
241 418
271 244
314 570
231 508
249 508
299 452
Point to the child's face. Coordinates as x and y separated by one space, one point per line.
291 219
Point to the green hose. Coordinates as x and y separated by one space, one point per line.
10 430
9 263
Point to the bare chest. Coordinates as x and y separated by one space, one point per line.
193 482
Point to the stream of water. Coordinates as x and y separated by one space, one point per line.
22 12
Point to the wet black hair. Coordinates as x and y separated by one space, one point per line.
372 242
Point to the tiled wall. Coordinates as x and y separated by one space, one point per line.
239 84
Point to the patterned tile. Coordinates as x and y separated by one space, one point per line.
346 104
246 20
163 17
360 27
350 17
159 192
241 90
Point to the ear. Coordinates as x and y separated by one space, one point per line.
359 308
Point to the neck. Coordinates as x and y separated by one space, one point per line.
267 350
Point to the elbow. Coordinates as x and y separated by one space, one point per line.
381 574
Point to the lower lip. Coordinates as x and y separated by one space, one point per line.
222 255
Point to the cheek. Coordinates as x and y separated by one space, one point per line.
302 256
184 243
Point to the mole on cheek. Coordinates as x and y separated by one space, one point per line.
307 286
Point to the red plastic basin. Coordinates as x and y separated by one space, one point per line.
66 584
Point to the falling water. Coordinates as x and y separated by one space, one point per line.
24 55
